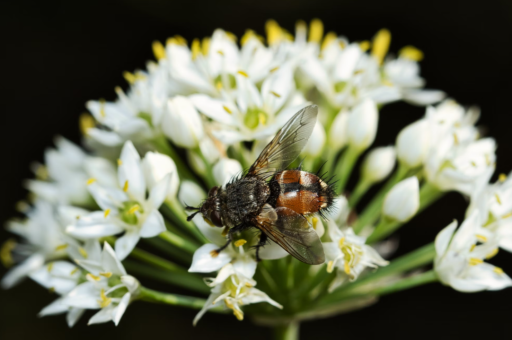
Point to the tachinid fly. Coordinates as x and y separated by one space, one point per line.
274 200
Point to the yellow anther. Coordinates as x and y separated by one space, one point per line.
61 247
130 77
106 274
243 74
196 48
502 178
487 160
455 139
347 268
380 44
119 162
74 271
473 163
250 34
51 290
363 45
329 38
238 314
220 52
107 212
240 243
49 267
125 186
92 277
411 52
158 50
481 238
42 172
498 270
316 30
205 46
274 69
133 209
6 252
22 206
498 198
314 222
262 118
341 242
343 45
231 36
474 261
105 301
387 82
180 40
330 266
274 32
214 253
102 107
91 181
493 253
248 285
218 85
86 122
473 246
227 109
361 70
276 94
83 252
507 215
77 217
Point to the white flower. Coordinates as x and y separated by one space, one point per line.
181 123
338 132
125 210
362 125
226 169
349 254
403 200
232 290
191 193
378 164
459 261
156 166
413 144
108 287
63 179
316 142
44 242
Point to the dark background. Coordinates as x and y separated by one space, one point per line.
56 55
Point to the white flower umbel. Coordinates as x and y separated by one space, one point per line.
232 290
402 201
125 210
62 180
348 253
378 164
156 166
45 241
108 287
460 256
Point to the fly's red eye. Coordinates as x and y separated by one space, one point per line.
213 191
215 218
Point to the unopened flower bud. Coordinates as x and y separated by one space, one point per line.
225 169
378 164
316 142
191 193
182 123
362 125
412 144
338 131
156 166
403 200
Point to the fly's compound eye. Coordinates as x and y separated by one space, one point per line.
213 192
215 218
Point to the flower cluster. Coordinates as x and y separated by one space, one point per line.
199 115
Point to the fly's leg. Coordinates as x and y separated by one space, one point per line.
239 227
261 243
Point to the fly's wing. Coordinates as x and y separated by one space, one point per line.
287 144
294 234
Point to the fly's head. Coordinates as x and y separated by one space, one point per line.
210 208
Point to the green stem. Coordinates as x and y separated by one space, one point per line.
383 229
173 209
428 195
180 279
407 283
178 242
154 296
155 260
163 146
176 253
208 176
372 211
356 195
289 331
345 165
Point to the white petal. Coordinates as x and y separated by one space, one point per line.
107 138
94 231
203 262
444 237
191 194
272 251
215 109
74 315
213 234
18 273
207 305
153 225
121 308
331 250
110 261
423 97
159 192
126 243
245 266
56 307
131 170
84 295
104 315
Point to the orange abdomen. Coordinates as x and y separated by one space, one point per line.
302 191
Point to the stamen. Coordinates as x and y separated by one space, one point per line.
474 261
481 238
238 314
498 199
107 212
411 52
243 74
330 266
473 246
119 162
133 209
455 139
273 32
231 36
130 78
158 50
227 109
61 247
50 267
205 46
347 268
316 31
22 206
106 274
91 181
363 45
74 271
329 38
493 253
220 52
196 48
507 215
218 85
92 277
83 252
102 107
51 290
125 186
381 44
498 270
276 94
341 242
105 301
487 160
86 122
473 163
274 69
214 253
240 243
502 178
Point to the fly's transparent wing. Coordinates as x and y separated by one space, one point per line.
295 235
287 144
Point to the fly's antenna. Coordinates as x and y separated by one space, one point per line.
190 217
189 208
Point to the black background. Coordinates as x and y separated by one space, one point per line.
55 55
